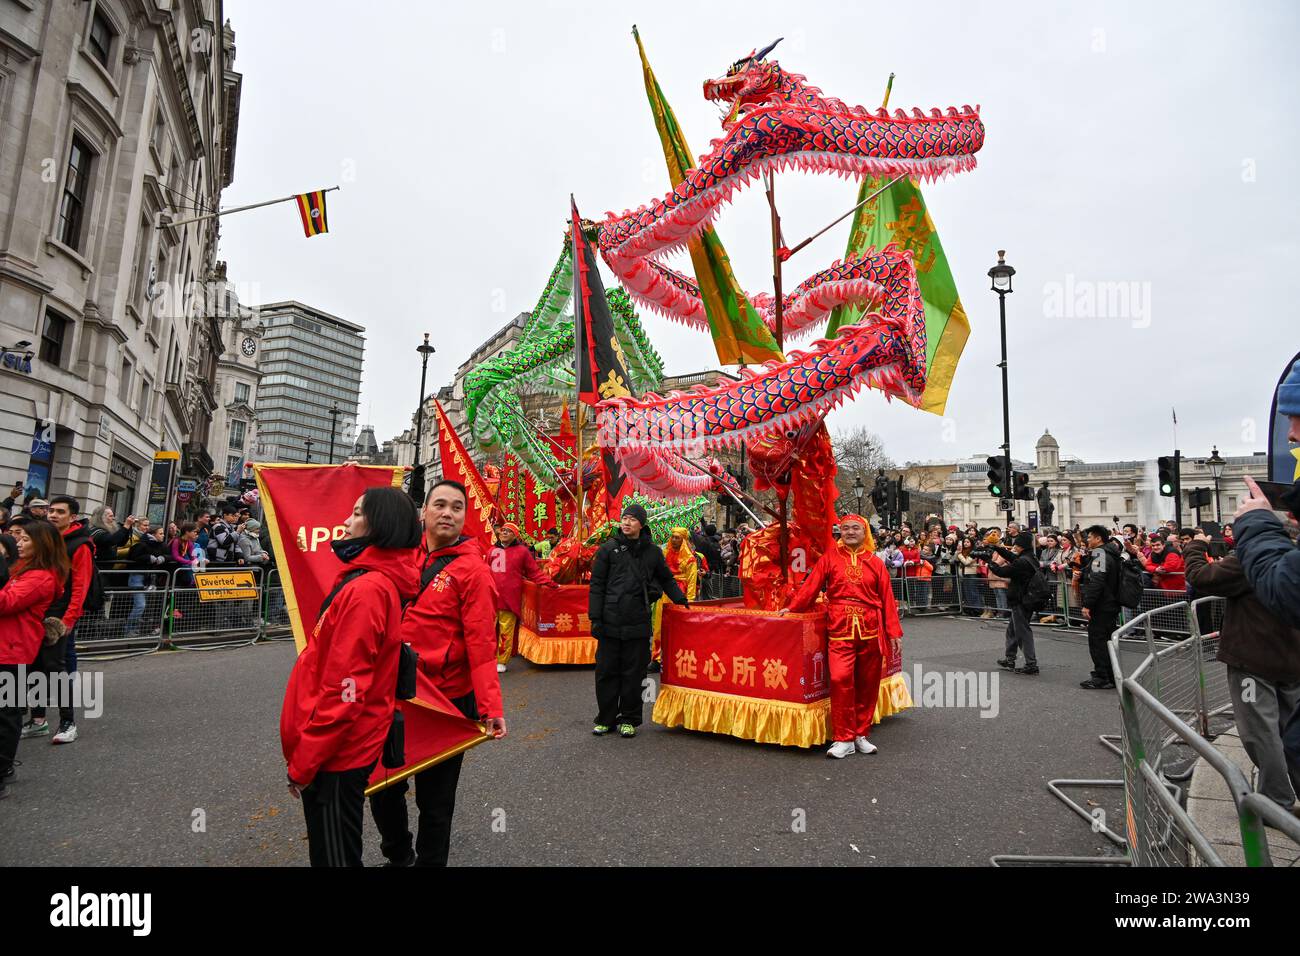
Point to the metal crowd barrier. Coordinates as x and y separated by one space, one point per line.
1168 703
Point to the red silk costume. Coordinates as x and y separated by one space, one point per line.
860 612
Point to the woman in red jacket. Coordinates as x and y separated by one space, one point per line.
35 581
342 693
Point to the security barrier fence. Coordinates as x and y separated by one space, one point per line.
148 610
1173 702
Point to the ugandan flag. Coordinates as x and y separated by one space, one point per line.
311 206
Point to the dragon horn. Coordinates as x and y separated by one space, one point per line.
767 49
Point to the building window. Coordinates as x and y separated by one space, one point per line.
76 185
241 392
233 466
52 334
1078 506
977 509
1128 505
1101 504
124 382
237 434
1232 502
101 38
146 397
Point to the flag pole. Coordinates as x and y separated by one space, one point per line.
822 232
227 212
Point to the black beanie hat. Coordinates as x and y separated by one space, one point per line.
637 512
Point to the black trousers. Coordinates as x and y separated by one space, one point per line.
335 808
435 799
53 660
1100 627
620 671
11 722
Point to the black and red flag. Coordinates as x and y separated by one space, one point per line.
598 360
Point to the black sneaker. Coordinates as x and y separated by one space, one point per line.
1097 683
409 860
1030 669
1008 662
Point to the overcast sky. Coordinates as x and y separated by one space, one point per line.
1152 145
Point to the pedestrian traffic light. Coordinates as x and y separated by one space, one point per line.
997 475
1168 486
904 500
1199 498
1020 486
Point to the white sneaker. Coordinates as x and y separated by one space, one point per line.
840 749
501 668
66 735
864 746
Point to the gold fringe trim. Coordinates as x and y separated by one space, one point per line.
763 721
893 698
556 650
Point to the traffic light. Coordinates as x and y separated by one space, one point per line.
904 500
1199 498
891 496
997 476
1020 486
1168 483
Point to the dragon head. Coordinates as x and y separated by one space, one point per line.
751 80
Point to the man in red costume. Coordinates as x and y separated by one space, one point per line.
511 562
860 615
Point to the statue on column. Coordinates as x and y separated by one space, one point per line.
1045 507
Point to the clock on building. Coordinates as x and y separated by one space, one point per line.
249 346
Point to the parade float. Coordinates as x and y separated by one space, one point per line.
893 322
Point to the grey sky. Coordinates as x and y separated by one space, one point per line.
1151 144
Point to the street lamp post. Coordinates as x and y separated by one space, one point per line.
858 490
335 412
309 443
425 351
1001 275
1216 464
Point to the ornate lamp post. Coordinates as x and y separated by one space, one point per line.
1001 275
1217 465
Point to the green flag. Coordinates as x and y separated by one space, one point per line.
898 215
739 334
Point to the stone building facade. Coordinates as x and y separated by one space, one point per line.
1085 493
118 122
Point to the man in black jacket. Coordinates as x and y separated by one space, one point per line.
629 575
1015 564
223 539
1099 588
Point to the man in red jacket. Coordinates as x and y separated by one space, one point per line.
451 624
1166 566
64 613
861 615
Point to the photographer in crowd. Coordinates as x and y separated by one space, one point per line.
1016 567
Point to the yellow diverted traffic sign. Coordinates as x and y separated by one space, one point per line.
225 585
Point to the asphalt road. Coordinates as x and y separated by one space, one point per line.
192 736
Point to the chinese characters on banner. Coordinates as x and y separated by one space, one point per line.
746 653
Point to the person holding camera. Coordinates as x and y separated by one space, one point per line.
1016 567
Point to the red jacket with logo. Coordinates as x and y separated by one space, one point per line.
343 690
1171 575
859 595
452 625
23 601
509 567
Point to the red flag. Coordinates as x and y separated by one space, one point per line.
305 507
458 466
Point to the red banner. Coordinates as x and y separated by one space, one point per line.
734 650
305 508
458 466
554 627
